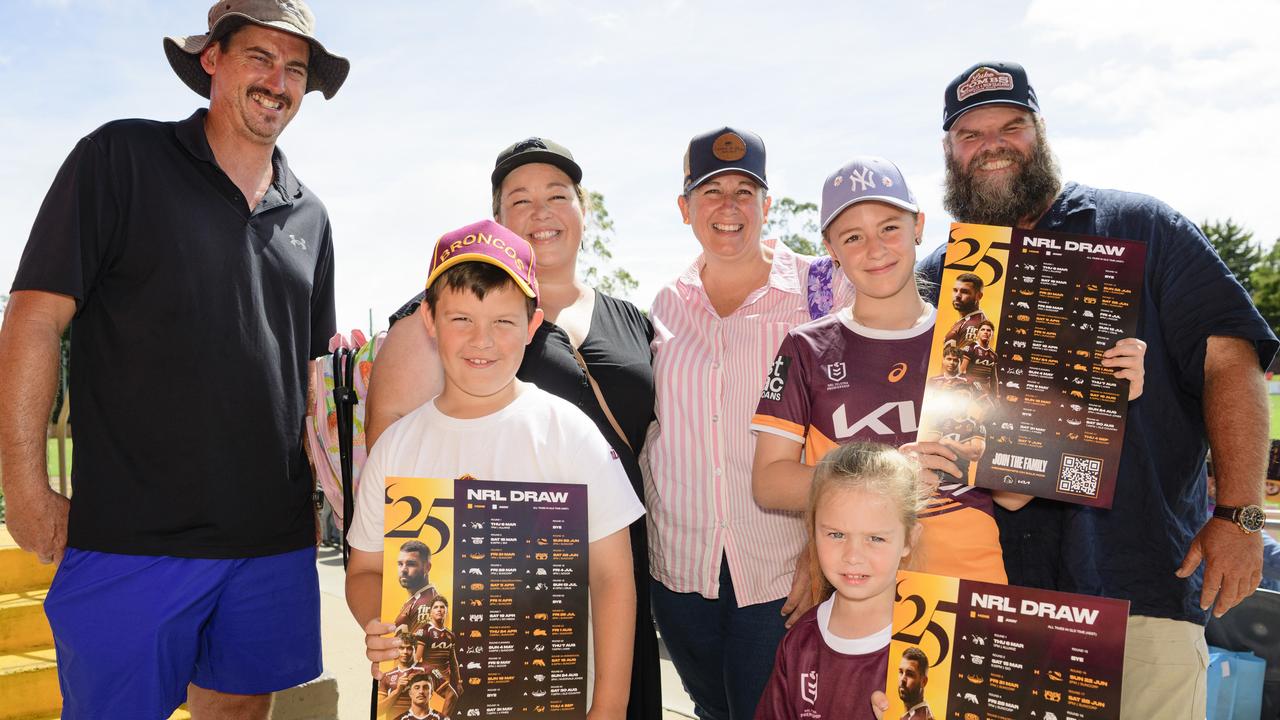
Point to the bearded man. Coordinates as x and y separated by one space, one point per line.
1206 349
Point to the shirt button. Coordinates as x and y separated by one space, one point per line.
715 418
724 525
719 472
715 365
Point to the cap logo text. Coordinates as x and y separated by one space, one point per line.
729 147
495 242
984 79
860 180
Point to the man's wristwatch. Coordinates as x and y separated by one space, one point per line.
1250 518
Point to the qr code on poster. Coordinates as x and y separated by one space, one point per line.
1079 475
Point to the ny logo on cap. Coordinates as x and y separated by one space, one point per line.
862 179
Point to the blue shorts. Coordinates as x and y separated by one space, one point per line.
132 631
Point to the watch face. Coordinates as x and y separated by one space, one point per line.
1252 518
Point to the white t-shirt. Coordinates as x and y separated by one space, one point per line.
537 438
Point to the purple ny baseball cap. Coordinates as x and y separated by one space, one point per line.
865 178
487 242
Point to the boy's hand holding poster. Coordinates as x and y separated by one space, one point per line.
1016 386
970 650
487 581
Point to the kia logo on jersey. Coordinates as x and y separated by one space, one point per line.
836 372
809 687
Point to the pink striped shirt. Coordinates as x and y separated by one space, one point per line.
709 372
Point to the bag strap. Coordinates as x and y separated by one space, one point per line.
600 399
344 400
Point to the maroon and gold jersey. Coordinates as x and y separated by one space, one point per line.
981 367
416 611
819 675
834 381
387 685
965 330
438 650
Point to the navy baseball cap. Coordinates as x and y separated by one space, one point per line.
988 83
861 179
723 151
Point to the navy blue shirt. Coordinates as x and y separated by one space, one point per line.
195 318
1132 550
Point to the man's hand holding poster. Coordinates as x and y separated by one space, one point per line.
1016 385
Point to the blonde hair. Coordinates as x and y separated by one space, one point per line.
869 467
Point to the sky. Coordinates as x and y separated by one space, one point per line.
1182 105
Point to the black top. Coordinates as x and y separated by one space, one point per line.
1131 551
194 322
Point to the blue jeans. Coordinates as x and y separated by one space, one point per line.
723 653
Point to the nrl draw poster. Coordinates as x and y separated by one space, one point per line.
971 650
1015 374
487 581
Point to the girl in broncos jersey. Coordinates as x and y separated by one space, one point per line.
862 525
859 374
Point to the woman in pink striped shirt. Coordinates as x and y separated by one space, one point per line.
721 566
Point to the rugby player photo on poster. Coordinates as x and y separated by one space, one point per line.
427 655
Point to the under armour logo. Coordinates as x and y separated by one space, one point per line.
297 242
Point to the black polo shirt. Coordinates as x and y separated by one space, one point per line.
194 322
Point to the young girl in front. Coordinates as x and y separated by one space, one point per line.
862 525
860 374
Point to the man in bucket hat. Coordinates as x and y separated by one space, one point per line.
1206 349
196 273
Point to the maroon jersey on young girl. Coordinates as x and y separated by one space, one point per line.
818 676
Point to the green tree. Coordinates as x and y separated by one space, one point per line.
1265 281
795 223
1236 247
596 260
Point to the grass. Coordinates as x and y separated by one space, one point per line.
52 456
1275 415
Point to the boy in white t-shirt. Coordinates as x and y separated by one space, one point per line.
482 312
